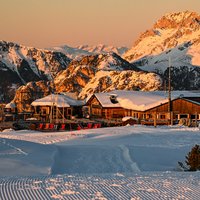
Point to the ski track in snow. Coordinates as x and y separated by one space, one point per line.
127 157
141 186
20 151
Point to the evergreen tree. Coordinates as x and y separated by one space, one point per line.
193 158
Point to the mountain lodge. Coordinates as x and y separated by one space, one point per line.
145 106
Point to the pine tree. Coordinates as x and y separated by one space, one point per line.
193 158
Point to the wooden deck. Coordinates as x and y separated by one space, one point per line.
152 123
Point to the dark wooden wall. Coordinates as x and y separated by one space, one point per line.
181 106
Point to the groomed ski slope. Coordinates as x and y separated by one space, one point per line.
133 162
117 186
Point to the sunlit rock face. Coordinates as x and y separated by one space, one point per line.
175 36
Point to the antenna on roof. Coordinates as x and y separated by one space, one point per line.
169 95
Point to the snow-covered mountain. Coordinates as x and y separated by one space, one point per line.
85 50
20 65
102 49
94 73
175 35
103 72
71 52
42 71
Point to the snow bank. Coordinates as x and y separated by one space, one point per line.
106 150
134 162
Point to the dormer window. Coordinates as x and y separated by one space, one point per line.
113 98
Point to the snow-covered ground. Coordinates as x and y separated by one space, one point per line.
132 162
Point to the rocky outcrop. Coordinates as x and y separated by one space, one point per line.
80 72
26 94
106 81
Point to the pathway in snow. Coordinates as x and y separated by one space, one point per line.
142 186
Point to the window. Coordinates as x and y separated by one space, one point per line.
118 113
69 111
162 117
96 111
184 116
103 113
194 116
44 111
149 116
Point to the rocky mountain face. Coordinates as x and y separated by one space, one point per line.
26 94
94 73
86 50
20 65
175 36
103 72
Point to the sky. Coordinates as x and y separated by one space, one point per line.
48 23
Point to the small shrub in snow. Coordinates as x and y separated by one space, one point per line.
192 159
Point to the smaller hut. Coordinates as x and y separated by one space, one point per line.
10 112
56 108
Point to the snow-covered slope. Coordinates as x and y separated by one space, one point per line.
175 35
37 62
129 149
132 162
85 50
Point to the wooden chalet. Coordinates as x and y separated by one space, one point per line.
104 105
56 108
183 108
145 106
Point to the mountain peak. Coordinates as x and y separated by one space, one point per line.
175 35
170 31
178 19
179 16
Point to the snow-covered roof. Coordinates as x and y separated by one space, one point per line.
104 99
128 118
140 100
10 105
59 100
